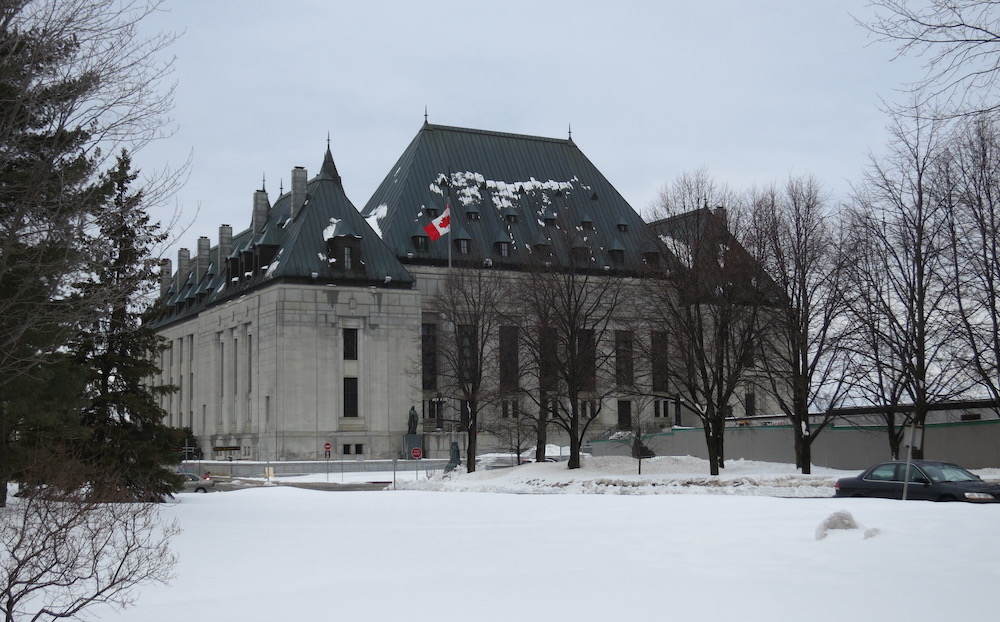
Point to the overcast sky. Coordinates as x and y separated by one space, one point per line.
752 91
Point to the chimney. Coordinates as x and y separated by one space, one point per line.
166 276
298 190
225 247
261 207
201 263
183 266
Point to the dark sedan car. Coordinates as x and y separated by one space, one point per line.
928 480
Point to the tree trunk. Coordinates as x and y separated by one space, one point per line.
470 430
574 439
542 429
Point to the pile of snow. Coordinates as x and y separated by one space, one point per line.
620 475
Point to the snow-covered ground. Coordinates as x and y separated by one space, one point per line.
670 543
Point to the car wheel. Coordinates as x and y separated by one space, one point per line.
946 498
200 490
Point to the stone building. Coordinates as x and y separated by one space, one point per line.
310 327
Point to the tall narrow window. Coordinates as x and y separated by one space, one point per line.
587 353
428 356
751 404
350 344
249 362
659 362
348 259
548 347
624 415
624 369
221 382
468 352
350 397
509 360
510 408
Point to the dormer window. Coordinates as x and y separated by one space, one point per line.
432 212
463 246
503 248
651 258
420 243
344 254
472 215
617 255
623 227
588 225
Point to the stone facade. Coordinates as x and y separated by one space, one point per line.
263 376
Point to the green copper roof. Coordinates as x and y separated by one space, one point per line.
541 194
299 249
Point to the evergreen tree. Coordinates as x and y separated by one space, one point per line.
127 434
75 76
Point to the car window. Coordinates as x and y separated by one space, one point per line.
954 473
916 475
883 472
934 473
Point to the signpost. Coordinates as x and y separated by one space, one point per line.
326 454
417 454
913 437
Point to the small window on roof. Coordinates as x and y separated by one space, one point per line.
420 242
510 218
623 227
472 215
617 255
431 212
504 249
463 246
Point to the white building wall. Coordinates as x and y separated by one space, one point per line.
264 373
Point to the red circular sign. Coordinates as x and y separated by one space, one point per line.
416 452
327 447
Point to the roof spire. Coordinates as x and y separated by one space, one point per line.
263 182
570 137
425 113
329 169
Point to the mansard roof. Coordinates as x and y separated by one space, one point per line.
286 248
542 195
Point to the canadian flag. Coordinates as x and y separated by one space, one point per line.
440 225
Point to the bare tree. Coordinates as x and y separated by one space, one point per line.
514 431
65 550
974 199
904 305
804 254
709 310
959 41
567 326
469 306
